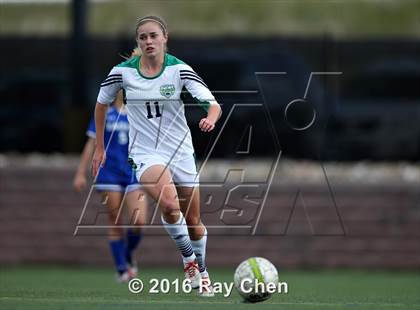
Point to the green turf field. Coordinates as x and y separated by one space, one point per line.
83 288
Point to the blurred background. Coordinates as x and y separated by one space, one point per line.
344 190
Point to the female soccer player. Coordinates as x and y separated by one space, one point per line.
160 140
116 182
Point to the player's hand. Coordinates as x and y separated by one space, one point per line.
79 182
206 124
98 160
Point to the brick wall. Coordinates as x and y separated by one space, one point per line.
301 224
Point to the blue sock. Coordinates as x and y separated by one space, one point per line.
118 253
133 240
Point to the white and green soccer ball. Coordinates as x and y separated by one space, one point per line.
256 279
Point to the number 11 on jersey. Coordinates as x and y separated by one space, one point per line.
149 110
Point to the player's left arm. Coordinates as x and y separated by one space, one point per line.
213 114
201 93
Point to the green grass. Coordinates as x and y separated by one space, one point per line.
85 288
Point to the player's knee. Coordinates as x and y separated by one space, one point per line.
137 229
138 223
115 232
169 207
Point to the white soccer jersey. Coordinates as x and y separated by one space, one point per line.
154 105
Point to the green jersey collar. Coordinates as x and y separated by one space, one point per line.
165 61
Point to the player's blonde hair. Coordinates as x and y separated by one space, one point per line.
135 52
119 98
152 18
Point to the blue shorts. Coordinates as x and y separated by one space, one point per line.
112 181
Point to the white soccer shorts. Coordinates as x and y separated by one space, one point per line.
183 171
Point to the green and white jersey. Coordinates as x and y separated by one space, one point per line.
154 106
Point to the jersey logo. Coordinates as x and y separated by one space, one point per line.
167 90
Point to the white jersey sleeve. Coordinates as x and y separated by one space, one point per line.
110 86
195 85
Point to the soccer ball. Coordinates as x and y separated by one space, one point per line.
256 279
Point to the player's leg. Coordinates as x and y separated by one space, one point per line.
185 175
189 198
116 234
136 203
157 182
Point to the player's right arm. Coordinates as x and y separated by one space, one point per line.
99 156
107 93
79 181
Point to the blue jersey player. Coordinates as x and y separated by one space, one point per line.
116 181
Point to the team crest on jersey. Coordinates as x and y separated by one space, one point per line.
167 90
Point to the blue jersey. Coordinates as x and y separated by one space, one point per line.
116 169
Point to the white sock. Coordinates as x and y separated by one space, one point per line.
179 233
199 247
